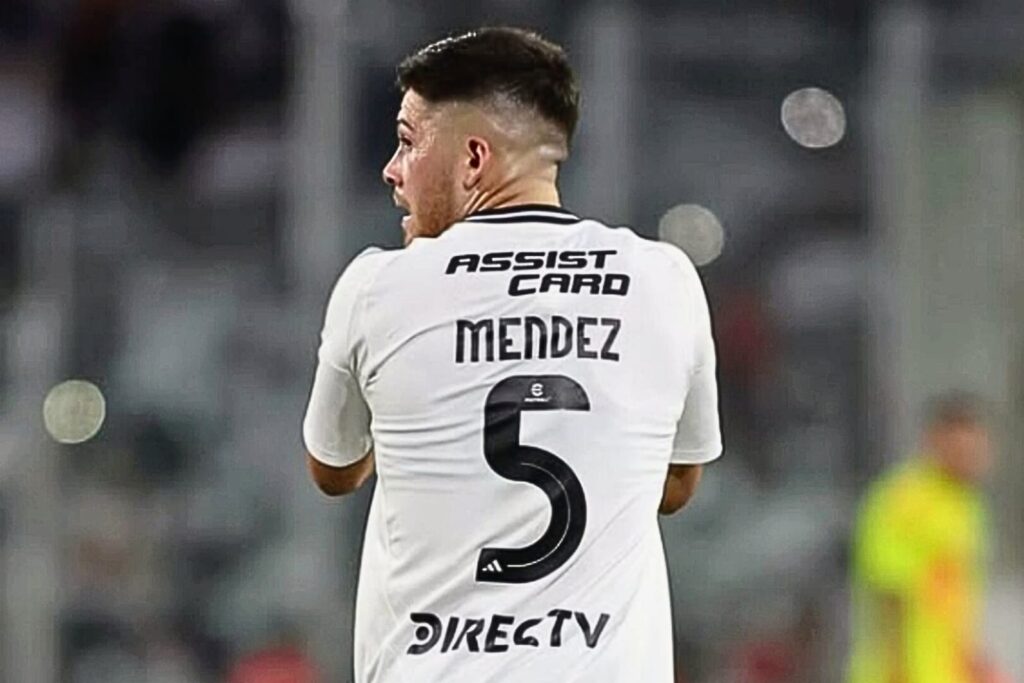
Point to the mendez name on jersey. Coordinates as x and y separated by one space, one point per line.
530 337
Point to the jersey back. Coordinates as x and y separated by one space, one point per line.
524 381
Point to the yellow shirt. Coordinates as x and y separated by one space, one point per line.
919 539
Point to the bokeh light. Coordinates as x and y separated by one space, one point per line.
695 230
814 118
73 411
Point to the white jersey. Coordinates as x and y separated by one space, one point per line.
524 381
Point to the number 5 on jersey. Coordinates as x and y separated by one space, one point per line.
510 459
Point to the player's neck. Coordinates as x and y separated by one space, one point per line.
539 191
949 472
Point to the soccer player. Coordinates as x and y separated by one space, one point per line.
531 387
918 555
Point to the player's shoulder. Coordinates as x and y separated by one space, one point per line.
372 259
356 278
673 257
365 267
650 251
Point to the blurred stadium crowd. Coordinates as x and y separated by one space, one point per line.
181 181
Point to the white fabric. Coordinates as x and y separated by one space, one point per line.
390 349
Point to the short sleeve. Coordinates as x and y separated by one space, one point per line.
336 428
698 437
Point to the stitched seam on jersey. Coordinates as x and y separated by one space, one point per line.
526 218
692 450
335 454
524 212
536 207
706 454
327 451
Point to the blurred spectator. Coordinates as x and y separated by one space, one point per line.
170 94
20 21
284 661
160 76
787 654
8 253
90 58
747 355
918 555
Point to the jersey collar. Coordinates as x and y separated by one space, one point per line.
524 213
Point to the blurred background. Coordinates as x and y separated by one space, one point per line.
182 181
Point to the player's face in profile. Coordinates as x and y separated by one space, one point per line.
421 171
963 448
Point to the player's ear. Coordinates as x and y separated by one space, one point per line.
478 155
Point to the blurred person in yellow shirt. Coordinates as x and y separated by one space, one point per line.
918 557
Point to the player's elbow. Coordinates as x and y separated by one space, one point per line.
680 485
334 488
339 481
670 504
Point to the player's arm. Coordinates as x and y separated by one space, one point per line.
336 428
337 481
339 450
698 438
680 485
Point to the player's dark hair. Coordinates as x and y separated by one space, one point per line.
510 62
954 408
